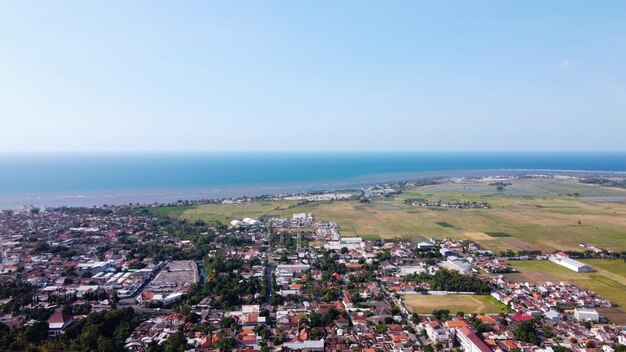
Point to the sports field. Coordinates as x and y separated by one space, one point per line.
534 214
608 281
425 304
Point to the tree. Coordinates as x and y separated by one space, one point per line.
114 300
441 314
526 332
415 318
36 333
176 343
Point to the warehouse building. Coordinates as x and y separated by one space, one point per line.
564 260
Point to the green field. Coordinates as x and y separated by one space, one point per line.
225 213
609 281
425 304
537 214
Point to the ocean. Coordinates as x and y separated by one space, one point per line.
86 179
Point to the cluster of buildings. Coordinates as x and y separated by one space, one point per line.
237 289
297 220
79 260
171 283
539 299
445 204
154 330
489 333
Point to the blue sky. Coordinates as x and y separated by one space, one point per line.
312 75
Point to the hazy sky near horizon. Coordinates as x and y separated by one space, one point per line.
312 75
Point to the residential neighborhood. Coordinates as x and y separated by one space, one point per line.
292 284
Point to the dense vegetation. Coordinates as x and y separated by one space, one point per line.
605 182
527 332
446 280
12 288
227 285
104 331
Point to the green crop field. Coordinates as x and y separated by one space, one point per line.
425 304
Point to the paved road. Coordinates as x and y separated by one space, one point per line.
268 276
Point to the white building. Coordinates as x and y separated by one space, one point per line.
458 264
308 345
411 269
92 267
58 321
586 314
347 242
292 268
563 260
437 332
425 245
246 222
470 342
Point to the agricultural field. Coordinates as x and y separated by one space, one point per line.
530 214
425 304
608 281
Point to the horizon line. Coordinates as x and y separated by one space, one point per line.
309 151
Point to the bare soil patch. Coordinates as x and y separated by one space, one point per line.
521 245
615 315
478 236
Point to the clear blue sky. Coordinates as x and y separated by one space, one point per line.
312 75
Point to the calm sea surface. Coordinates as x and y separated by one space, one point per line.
92 179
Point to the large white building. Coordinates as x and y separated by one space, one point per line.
308 345
564 260
92 267
347 242
586 314
458 264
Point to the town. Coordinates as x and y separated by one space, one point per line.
127 278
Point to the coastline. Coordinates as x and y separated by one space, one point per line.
207 193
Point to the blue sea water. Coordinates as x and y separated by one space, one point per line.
99 178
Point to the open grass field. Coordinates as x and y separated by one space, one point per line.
609 281
425 304
225 213
536 214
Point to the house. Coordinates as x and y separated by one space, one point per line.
554 316
437 332
58 321
388 266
